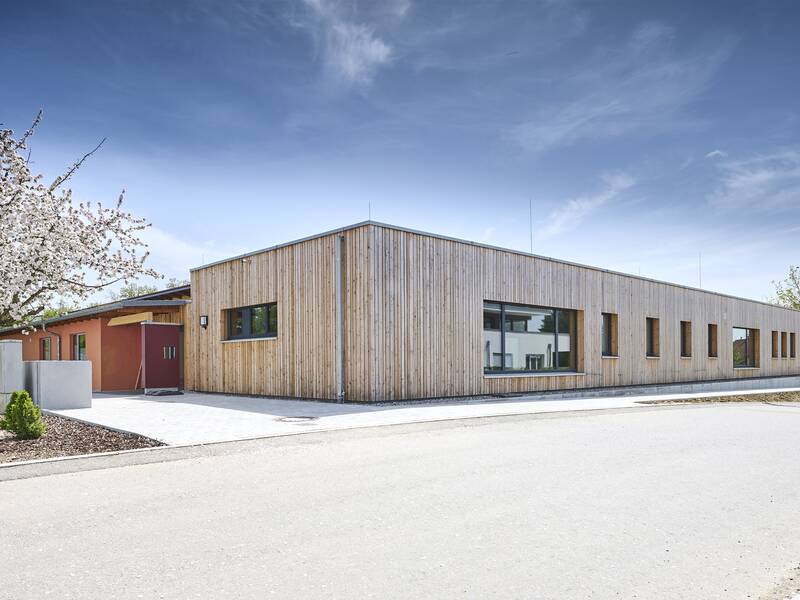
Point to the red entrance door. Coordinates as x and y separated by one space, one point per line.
161 356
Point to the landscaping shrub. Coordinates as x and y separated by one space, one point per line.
22 417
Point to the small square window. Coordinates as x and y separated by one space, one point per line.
686 339
609 334
712 340
652 348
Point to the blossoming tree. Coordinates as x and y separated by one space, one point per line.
53 247
787 292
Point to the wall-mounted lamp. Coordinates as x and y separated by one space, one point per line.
203 321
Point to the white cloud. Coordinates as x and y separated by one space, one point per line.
642 86
352 52
716 154
569 215
769 181
174 256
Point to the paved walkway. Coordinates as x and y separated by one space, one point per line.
195 418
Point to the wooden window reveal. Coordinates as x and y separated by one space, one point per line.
712 340
609 334
745 348
686 339
653 342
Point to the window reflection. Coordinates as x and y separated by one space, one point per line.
744 347
518 338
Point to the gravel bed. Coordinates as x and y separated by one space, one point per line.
66 437
766 397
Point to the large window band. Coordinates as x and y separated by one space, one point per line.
527 339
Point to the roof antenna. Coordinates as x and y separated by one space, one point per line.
700 268
369 210
530 211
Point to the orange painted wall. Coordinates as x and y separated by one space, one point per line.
115 352
91 327
122 354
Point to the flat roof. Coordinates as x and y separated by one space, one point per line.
480 245
162 298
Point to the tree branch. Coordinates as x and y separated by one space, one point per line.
29 133
62 178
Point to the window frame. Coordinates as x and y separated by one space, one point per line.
784 344
792 345
750 337
75 346
652 335
247 315
686 339
556 368
776 353
46 341
712 340
608 342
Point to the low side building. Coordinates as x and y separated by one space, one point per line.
374 312
109 335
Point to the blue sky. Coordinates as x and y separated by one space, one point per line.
643 132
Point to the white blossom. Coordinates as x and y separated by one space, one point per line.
52 247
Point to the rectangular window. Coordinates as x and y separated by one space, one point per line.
775 349
792 346
784 345
712 340
44 349
686 339
745 347
652 334
527 339
608 334
79 346
260 321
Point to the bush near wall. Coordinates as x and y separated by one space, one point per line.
22 417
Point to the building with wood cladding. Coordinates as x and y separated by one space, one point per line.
373 312
126 340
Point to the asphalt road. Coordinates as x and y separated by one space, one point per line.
687 502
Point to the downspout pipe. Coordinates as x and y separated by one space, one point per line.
339 319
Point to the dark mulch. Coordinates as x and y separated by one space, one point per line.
766 397
65 437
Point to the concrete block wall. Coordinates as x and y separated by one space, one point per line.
11 371
58 384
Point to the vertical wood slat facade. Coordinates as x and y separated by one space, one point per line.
412 319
